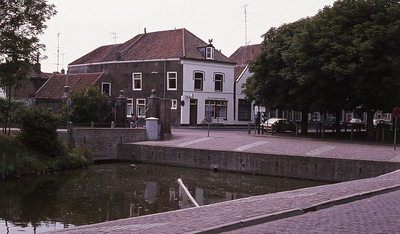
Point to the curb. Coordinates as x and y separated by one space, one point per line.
294 212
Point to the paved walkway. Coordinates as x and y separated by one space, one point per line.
240 140
362 206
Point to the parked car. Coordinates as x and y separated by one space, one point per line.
280 125
358 123
382 124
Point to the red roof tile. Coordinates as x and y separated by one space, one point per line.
178 43
54 86
242 56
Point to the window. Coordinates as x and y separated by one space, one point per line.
219 108
209 53
106 88
137 81
129 107
244 110
172 81
141 107
198 80
174 104
218 80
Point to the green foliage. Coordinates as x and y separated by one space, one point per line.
346 56
15 108
86 105
76 158
32 163
39 130
21 23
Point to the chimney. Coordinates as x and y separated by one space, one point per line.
37 67
63 71
144 30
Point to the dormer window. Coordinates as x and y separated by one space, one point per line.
209 52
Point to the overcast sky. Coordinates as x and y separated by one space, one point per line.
84 25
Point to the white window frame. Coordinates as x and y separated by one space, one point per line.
210 52
129 103
222 81
174 78
174 104
138 105
202 80
139 78
109 88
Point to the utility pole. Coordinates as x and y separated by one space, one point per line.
245 24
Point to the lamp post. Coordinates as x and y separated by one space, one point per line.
64 97
68 108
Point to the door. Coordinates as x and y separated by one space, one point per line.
193 112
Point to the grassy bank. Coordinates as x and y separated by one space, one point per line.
33 162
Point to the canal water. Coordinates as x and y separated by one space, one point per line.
106 192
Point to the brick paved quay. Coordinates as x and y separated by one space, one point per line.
345 207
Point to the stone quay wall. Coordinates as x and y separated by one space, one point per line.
104 141
302 167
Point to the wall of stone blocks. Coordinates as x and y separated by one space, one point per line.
104 141
312 168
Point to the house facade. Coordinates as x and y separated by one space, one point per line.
50 96
175 63
244 109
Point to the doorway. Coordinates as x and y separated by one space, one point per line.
193 112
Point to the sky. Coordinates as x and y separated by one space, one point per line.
81 26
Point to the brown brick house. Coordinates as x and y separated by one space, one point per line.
50 95
176 63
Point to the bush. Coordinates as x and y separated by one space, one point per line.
30 163
76 158
39 130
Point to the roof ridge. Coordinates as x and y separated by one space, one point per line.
140 36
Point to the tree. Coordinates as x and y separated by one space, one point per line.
39 130
86 105
20 24
362 53
346 56
271 80
16 107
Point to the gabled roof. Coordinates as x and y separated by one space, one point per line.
54 86
171 44
242 56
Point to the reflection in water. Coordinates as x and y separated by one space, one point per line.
115 191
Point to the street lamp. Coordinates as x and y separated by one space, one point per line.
65 96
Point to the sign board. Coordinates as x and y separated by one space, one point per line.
255 108
209 111
262 109
396 112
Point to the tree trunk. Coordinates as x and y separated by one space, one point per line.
370 124
7 112
337 122
304 122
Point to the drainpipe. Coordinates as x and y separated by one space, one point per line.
165 77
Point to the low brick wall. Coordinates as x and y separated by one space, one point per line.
104 141
313 168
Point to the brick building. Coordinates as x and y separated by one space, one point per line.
176 63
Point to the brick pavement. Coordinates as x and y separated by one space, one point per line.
379 214
233 139
235 215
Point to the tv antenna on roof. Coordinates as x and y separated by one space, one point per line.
245 23
114 37
58 50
